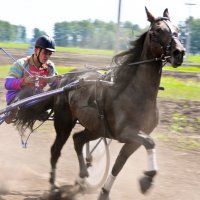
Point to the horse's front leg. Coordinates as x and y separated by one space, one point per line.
55 154
133 142
125 152
147 180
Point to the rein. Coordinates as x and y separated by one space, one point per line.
163 59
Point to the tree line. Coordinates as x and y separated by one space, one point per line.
97 34
94 34
9 32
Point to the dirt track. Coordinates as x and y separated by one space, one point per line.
25 172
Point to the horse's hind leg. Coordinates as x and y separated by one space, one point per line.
63 126
80 138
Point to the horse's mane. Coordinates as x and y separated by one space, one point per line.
124 71
133 53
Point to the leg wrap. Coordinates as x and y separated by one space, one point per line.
152 162
108 185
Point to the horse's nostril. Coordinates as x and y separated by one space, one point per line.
176 53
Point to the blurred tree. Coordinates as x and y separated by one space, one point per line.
93 34
37 33
10 33
195 36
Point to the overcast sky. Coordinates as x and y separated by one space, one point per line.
44 13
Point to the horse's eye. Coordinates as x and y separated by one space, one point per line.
158 30
175 34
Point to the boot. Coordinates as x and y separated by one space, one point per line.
11 117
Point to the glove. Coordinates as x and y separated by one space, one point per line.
28 80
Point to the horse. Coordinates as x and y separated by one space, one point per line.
124 109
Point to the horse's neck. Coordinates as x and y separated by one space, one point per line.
145 80
142 79
149 73
148 77
141 84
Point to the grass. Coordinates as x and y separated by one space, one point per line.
180 141
62 49
86 51
63 70
183 69
194 58
14 45
4 70
178 89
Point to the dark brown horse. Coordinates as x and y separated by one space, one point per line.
125 109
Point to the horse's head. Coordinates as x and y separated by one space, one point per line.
164 36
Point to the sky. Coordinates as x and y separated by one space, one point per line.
43 14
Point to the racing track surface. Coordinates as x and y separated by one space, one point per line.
24 173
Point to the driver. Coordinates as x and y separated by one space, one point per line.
24 72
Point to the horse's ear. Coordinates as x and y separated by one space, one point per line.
150 17
166 13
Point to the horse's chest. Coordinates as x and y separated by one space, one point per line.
133 115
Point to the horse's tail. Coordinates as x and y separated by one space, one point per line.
29 114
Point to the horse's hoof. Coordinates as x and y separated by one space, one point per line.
70 192
82 185
84 173
52 195
54 188
145 184
104 195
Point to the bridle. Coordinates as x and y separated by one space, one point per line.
173 35
165 47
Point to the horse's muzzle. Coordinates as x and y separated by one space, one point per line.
177 57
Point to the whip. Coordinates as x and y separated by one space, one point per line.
10 56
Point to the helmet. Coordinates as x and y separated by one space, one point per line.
45 42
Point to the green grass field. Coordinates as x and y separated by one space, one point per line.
194 59
178 89
4 70
61 49
183 69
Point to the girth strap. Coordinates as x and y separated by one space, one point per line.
99 102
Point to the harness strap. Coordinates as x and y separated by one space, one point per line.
24 143
163 59
99 102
